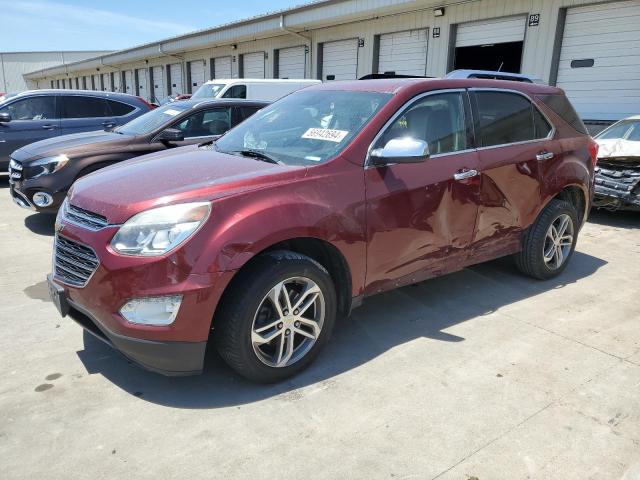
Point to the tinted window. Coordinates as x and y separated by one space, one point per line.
246 112
541 125
437 119
206 123
34 108
561 105
84 107
503 118
119 109
237 91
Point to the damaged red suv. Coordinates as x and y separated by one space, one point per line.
260 241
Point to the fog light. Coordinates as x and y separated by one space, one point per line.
42 199
152 310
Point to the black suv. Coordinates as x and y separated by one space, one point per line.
40 114
42 173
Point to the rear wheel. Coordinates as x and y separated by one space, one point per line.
550 242
276 324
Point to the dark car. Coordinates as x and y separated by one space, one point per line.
330 195
42 172
40 114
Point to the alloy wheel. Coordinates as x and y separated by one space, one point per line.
558 241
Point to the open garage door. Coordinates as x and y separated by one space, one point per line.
158 84
196 74
403 53
143 83
128 82
600 60
222 67
292 62
340 60
175 74
494 44
106 82
253 65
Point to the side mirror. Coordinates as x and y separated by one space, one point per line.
400 150
170 135
5 117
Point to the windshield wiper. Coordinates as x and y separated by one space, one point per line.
257 154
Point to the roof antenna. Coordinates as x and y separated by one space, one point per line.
500 67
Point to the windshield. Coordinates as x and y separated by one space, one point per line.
626 130
306 127
153 120
208 90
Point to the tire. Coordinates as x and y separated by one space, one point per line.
539 239
250 306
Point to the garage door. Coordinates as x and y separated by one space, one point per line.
176 79
292 62
128 82
600 60
158 84
143 82
253 65
340 60
403 53
196 71
115 76
95 82
106 82
490 32
222 67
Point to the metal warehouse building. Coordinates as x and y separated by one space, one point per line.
591 48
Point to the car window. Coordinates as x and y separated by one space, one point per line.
84 107
561 105
33 108
627 130
436 119
246 112
206 123
119 109
153 120
237 91
208 90
503 118
541 125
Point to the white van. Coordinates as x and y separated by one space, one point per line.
251 89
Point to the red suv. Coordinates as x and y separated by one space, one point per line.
260 240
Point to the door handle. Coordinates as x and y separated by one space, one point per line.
108 124
48 127
465 174
542 156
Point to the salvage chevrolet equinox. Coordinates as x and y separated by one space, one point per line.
260 241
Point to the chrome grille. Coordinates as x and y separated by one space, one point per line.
82 217
15 170
73 263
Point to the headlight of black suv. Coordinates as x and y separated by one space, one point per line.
45 166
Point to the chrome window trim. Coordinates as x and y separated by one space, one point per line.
551 134
400 111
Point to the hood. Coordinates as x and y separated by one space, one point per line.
74 145
617 147
183 174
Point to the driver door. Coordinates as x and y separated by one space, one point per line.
421 216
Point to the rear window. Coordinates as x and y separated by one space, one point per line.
120 109
84 107
561 105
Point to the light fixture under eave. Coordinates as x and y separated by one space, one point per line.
438 12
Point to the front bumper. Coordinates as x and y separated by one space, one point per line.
617 186
175 349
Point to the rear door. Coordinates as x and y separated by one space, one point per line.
84 114
421 216
32 119
514 142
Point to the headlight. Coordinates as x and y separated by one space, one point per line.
46 165
159 230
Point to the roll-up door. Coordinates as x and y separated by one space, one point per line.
158 84
340 60
106 82
116 81
128 82
253 65
403 53
176 79
95 82
143 83
494 44
222 67
292 62
599 65
196 74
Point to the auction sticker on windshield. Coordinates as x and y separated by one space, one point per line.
325 134
171 111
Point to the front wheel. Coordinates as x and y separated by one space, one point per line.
278 317
550 241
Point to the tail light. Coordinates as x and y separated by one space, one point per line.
150 105
593 151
